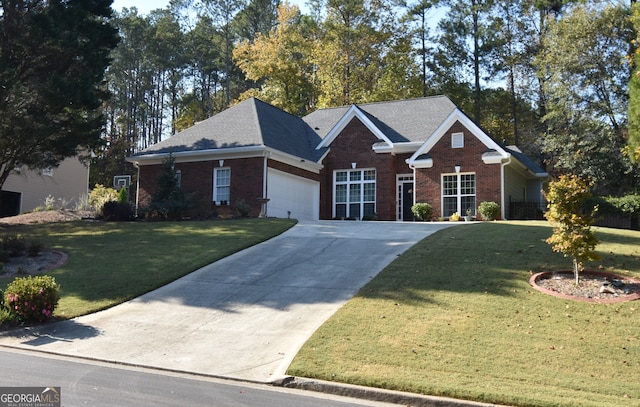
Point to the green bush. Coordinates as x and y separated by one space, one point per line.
489 210
123 196
5 315
32 299
34 248
100 195
613 205
243 208
14 245
117 211
421 211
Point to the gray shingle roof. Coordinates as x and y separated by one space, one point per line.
411 120
249 123
526 161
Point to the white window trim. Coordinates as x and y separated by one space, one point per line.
215 186
348 182
457 140
459 193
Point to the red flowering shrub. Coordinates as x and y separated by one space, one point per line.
33 298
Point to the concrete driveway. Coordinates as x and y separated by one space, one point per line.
243 317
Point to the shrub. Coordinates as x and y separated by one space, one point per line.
168 202
421 211
34 248
116 211
489 210
123 196
14 245
100 195
33 298
5 316
243 208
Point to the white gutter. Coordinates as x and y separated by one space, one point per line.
264 178
503 184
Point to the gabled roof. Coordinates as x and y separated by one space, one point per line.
251 124
400 121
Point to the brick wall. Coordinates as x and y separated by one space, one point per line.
197 179
428 180
293 170
354 144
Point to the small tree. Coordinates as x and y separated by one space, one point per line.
168 200
572 234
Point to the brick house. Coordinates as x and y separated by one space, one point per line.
368 161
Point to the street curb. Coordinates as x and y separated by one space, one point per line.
373 394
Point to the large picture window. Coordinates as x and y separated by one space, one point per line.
458 194
354 193
221 185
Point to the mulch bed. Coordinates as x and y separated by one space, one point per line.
595 286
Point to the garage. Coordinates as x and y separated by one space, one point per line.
292 196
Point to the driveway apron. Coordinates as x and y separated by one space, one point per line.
243 317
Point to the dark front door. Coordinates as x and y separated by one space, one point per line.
407 201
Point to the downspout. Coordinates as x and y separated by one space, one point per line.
137 165
413 168
503 185
264 199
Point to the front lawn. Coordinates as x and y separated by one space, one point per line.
455 316
113 262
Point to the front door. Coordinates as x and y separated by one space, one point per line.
407 201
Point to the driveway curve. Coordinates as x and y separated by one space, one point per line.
243 317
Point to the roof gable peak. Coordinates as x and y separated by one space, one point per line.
353 112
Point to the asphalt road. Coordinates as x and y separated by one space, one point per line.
101 385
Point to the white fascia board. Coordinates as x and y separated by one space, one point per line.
397 148
495 158
200 155
441 131
424 163
353 111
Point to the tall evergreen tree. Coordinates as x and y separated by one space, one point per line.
53 56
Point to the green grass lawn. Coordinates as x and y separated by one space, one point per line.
455 316
112 262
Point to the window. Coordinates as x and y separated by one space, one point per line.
178 174
354 193
457 140
458 194
221 185
47 171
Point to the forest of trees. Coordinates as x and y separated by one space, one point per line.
551 76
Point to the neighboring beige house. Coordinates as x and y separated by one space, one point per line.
26 190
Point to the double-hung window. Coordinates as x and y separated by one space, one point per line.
221 185
354 193
458 194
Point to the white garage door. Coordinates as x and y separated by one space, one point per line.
290 193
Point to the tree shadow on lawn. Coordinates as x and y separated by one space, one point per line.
494 258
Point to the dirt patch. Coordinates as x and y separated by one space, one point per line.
595 286
45 217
